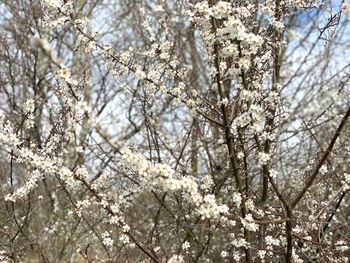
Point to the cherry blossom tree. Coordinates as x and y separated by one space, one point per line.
174 131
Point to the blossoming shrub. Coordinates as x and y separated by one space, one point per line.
174 131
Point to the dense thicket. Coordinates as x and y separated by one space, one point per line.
174 131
